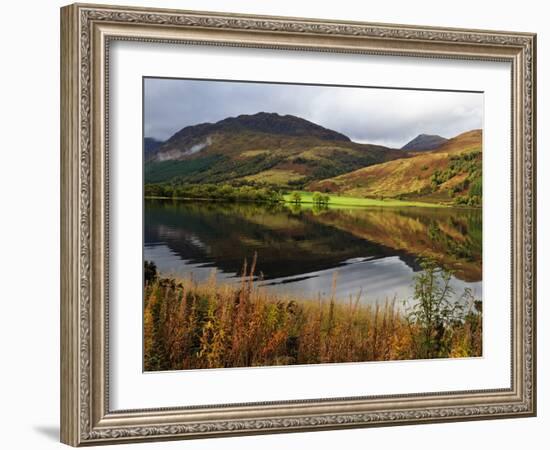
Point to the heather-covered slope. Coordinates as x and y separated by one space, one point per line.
450 174
262 149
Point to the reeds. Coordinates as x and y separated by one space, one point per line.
190 325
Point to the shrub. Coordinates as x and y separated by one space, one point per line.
150 274
435 315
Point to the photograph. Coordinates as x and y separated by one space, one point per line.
288 224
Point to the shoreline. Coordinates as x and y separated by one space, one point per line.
361 202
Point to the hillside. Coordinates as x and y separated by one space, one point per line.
424 142
450 174
262 149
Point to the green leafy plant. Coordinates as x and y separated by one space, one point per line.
433 314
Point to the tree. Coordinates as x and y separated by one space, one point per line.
320 199
296 197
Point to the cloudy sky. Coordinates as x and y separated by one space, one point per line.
388 117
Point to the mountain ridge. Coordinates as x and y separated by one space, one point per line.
290 153
450 173
261 149
193 138
424 142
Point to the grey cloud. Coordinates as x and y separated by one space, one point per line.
384 116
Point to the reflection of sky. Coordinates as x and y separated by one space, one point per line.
375 279
170 264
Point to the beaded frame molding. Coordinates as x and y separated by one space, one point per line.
86 33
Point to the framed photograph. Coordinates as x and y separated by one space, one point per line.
276 224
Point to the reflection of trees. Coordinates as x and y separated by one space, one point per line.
287 243
292 239
460 249
319 208
295 208
452 237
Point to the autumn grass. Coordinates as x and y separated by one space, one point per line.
190 325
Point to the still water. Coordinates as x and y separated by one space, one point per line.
374 252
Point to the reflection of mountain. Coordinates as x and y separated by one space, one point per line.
287 244
226 234
451 237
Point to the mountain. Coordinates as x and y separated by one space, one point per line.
424 142
150 145
451 173
194 138
263 149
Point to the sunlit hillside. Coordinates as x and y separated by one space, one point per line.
260 149
450 174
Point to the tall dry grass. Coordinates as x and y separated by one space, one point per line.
190 325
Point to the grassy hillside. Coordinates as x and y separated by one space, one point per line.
263 150
161 171
267 160
450 174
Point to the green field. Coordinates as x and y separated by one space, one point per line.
344 201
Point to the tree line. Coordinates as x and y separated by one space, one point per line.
224 192
227 192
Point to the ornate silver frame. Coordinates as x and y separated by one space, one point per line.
86 31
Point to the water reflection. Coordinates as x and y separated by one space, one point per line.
375 252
